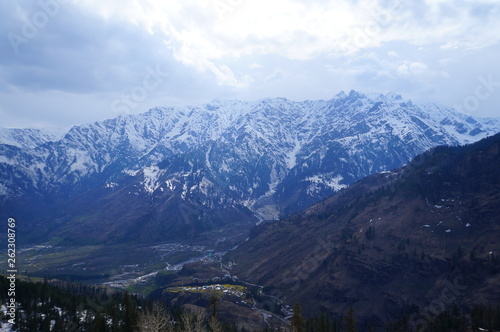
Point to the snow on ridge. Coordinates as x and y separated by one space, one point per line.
5 160
130 172
111 185
280 129
81 161
325 179
291 157
4 191
151 178
30 138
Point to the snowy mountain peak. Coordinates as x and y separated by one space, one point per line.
393 96
353 94
273 155
340 95
30 138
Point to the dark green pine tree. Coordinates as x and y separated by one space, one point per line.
324 322
213 322
370 233
100 324
297 323
350 321
129 316
335 325
214 306
113 312
58 326
45 324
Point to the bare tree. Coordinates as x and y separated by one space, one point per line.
156 319
194 320
215 325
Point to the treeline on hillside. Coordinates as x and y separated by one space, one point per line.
67 307
478 318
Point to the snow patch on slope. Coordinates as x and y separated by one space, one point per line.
325 180
291 156
151 178
250 147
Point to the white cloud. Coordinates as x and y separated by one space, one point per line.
248 49
256 66
413 68
202 32
274 76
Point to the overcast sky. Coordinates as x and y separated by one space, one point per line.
65 62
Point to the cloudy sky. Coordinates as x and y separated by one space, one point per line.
65 62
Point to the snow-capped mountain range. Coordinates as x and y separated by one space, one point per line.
269 157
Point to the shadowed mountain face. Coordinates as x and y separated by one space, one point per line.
412 241
210 172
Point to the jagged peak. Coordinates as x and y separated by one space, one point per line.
394 96
340 95
273 100
353 94
222 102
375 96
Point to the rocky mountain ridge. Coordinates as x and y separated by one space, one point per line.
263 159
410 243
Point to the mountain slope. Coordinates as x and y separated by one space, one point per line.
264 159
29 138
412 241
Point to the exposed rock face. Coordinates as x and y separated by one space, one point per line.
182 172
422 236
